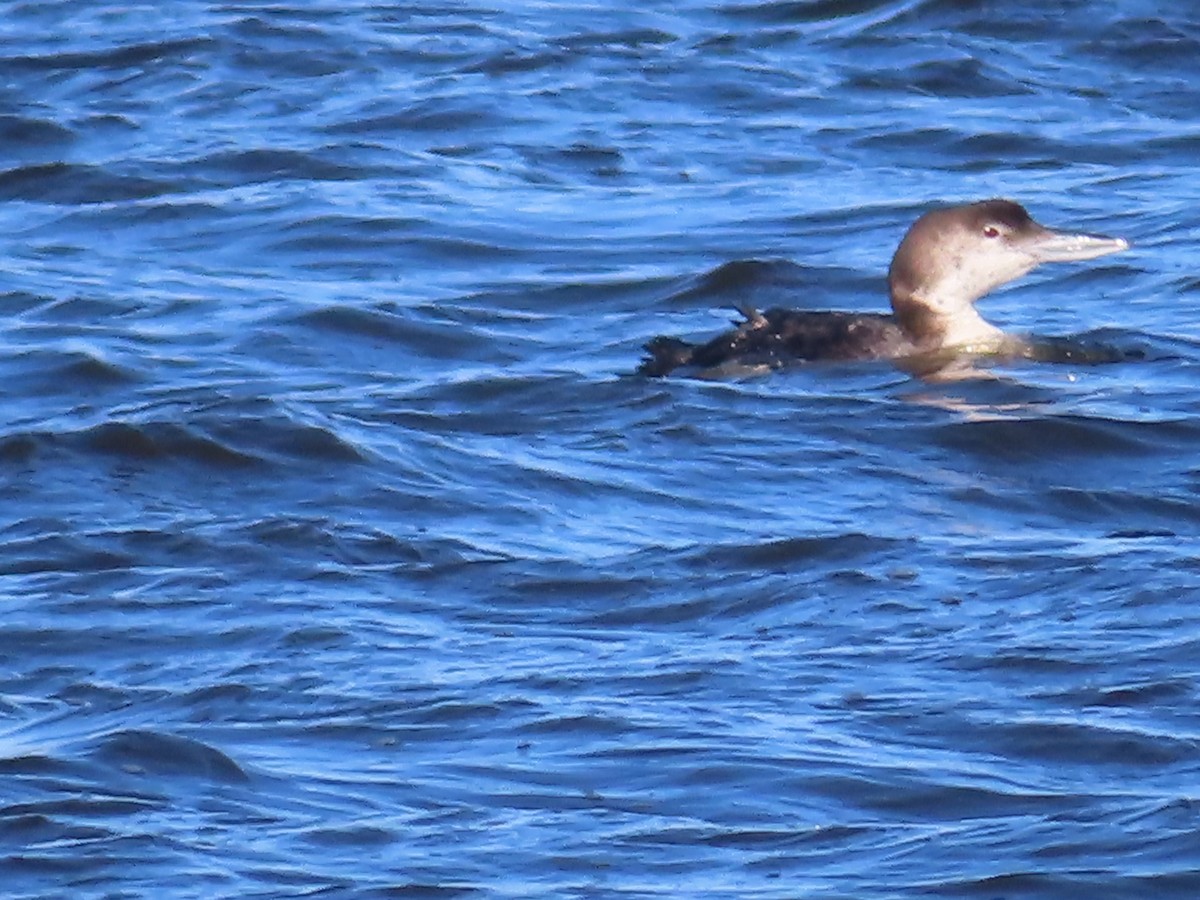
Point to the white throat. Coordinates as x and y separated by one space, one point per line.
961 324
966 328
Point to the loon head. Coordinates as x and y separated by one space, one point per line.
951 257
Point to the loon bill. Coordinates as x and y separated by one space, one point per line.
948 259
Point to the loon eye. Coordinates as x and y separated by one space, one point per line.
991 231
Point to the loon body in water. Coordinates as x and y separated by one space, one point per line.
948 259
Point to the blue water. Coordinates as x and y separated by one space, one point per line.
344 556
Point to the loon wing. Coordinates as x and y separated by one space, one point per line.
780 337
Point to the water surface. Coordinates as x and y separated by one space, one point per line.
343 554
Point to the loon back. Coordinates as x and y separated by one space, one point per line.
780 337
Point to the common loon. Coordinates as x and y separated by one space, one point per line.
948 259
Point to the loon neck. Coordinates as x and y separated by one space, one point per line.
931 325
971 331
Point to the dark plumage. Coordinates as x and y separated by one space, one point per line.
777 337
